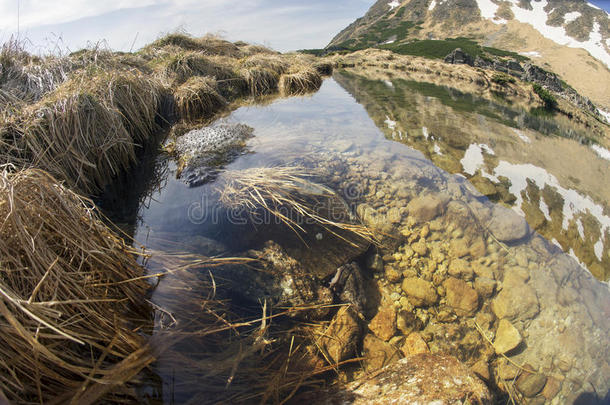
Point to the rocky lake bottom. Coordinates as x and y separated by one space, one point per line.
450 272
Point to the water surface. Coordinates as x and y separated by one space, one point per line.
382 158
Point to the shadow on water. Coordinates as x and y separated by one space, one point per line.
590 398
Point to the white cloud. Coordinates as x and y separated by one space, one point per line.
47 12
281 24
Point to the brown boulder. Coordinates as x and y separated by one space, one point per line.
420 292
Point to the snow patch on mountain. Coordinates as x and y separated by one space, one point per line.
537 18
573 16
531 54
488 10
393 4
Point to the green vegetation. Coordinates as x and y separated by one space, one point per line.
549 99
438 49
502 79
314 52
505 54
435 49
380 32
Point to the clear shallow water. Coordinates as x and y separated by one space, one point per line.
532 161
560 310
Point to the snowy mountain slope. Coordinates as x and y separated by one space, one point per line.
569 37
557 24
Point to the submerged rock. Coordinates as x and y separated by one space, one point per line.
516 301
414 344
420 292
422 378
282 281
426 208
378 353
531 384
201 152
383 325
508 226
348 285
340 339
507 337
461 297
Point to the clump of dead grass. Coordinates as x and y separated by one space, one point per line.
26 78
290 195
302 80
85 132
274 63
182 66
323 68
249 50
68 287
261 81
198 98
208 44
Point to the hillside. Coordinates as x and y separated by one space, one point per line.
549 32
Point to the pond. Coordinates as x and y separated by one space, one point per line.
444 257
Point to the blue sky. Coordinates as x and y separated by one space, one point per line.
283 25
126 24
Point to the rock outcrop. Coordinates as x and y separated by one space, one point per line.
457 56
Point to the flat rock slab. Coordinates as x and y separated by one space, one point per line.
421 378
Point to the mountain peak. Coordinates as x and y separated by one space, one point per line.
550 32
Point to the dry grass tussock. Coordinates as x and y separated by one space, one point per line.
25 78
86 131
208 44
301 80
182 66
69 287
197 98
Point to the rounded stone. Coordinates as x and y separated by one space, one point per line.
420 292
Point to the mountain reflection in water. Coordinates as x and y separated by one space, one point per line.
543 166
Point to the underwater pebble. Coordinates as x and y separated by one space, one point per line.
414 344
383 325
461 297
507 337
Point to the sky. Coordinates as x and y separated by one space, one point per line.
60 25
129 24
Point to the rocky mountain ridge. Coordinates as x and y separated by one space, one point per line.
548 32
